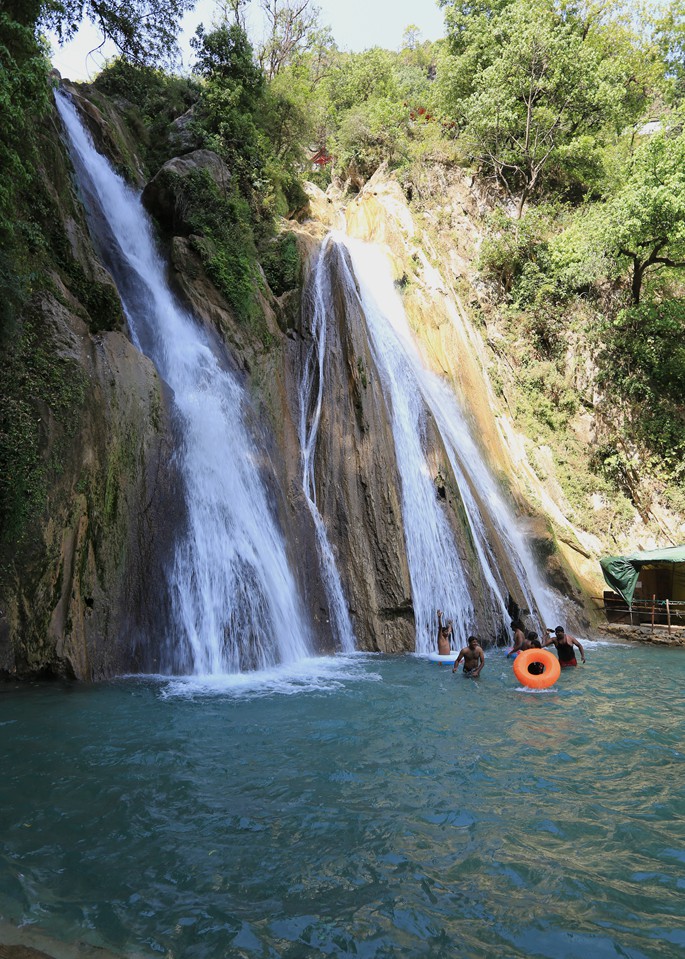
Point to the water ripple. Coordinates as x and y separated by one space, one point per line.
394 810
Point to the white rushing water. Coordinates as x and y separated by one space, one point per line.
235 602
436 571
311 401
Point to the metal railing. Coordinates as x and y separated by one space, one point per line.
660 612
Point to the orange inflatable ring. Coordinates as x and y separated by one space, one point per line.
549 675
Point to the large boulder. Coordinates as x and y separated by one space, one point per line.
182 137
163 195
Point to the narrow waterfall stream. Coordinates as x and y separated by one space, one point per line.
437 575
235 602
311 400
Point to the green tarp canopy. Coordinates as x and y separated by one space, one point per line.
621 572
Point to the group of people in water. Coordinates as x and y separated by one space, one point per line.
473 656
560 639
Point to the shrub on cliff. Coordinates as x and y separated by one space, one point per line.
157 99
642 359
24 98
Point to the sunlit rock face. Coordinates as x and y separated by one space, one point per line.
380 214
454 349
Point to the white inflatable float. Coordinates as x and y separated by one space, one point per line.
443 658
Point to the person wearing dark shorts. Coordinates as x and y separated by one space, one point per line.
473 656
564 645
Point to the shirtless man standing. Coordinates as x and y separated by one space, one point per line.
519 638
564 644
444 635
473 656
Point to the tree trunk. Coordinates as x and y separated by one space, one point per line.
522 202
636 287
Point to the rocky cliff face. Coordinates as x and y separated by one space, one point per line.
80 574
455 349
358 484
356 475
83 592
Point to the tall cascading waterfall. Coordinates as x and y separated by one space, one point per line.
437 574
436 571
235 602
311 400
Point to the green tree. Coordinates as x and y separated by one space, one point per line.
643 225
258 128
225 55
231 96
359 77
670 38
370 134
642 361
411 38
534 92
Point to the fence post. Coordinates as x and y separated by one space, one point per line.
653 605
668 617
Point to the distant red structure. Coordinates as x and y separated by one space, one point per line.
322 157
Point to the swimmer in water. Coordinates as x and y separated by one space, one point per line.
519 638
564 645
532 642
444 635
473 656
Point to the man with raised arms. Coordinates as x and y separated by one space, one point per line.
473 656
444 635
564 646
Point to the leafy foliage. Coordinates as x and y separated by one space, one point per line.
644 223
24 101
643 354
157 99
143 30
281 264
533 93
221 233
670 38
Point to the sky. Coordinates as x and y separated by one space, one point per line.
356 25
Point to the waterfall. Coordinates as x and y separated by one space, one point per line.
477 485
311 401
436 571
437 575
234 601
